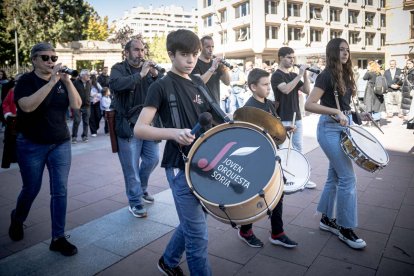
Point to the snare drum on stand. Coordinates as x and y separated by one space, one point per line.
234 171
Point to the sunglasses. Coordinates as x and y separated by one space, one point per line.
46 58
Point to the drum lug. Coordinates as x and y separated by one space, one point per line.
231 122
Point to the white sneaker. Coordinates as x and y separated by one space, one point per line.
94 135
310 185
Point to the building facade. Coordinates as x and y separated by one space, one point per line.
255 29
400 31
151 22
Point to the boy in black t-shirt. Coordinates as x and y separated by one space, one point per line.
259 84
191 234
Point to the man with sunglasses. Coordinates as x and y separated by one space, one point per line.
43 140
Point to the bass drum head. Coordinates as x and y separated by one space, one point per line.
373 150
232 169
296 170
231 165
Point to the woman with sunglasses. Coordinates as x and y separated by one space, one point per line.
42 98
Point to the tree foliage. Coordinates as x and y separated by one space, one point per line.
124 35
46 20
157 49
97 28
6 40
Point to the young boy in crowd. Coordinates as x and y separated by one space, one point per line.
259 83
178 119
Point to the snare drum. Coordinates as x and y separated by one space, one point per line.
233 170
296 170
369 155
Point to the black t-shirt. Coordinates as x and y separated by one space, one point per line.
47 123
266 106
325 82
191 102
288 103
213 83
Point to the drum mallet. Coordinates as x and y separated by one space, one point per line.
291 137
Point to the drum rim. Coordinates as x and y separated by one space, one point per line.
349 136
210 132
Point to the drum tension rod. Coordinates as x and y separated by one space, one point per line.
222 208
262 195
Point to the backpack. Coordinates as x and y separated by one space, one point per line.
380 85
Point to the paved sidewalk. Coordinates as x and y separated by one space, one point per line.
112 242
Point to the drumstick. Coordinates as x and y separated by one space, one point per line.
291 138
362 134
375 123
288 172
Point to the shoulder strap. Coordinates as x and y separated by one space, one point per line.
172 102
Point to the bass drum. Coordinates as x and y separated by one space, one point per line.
234 172
296 170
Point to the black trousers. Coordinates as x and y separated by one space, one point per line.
95 117
276 221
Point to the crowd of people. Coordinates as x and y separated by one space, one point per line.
151 107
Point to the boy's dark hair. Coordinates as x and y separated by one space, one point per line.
255 75
184 41
284 51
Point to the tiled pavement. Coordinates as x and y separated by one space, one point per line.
112 242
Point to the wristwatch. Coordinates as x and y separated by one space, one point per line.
211 70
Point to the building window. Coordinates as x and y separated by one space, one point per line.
293 9
382 3
363 63
315 12
272 32
223 15
353 17
408 4
294 33
315 35
208 20
369 19
335 14
369 39
207 3
223 37
242 34
353 1
242 10
271 6
353 37
383 22
368 2
336 34
382 39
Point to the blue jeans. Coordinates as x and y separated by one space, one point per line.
191 234
297 135
236 101
339 196
32 159
136 175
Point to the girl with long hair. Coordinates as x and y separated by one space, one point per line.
338 203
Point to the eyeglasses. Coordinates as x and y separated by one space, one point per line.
46 58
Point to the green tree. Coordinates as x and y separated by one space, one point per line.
7 55
47 20
97 28
157 49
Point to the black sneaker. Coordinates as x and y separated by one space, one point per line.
146 197
251 240
348 236
328 224
16 228
283 241
63 246
166 270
